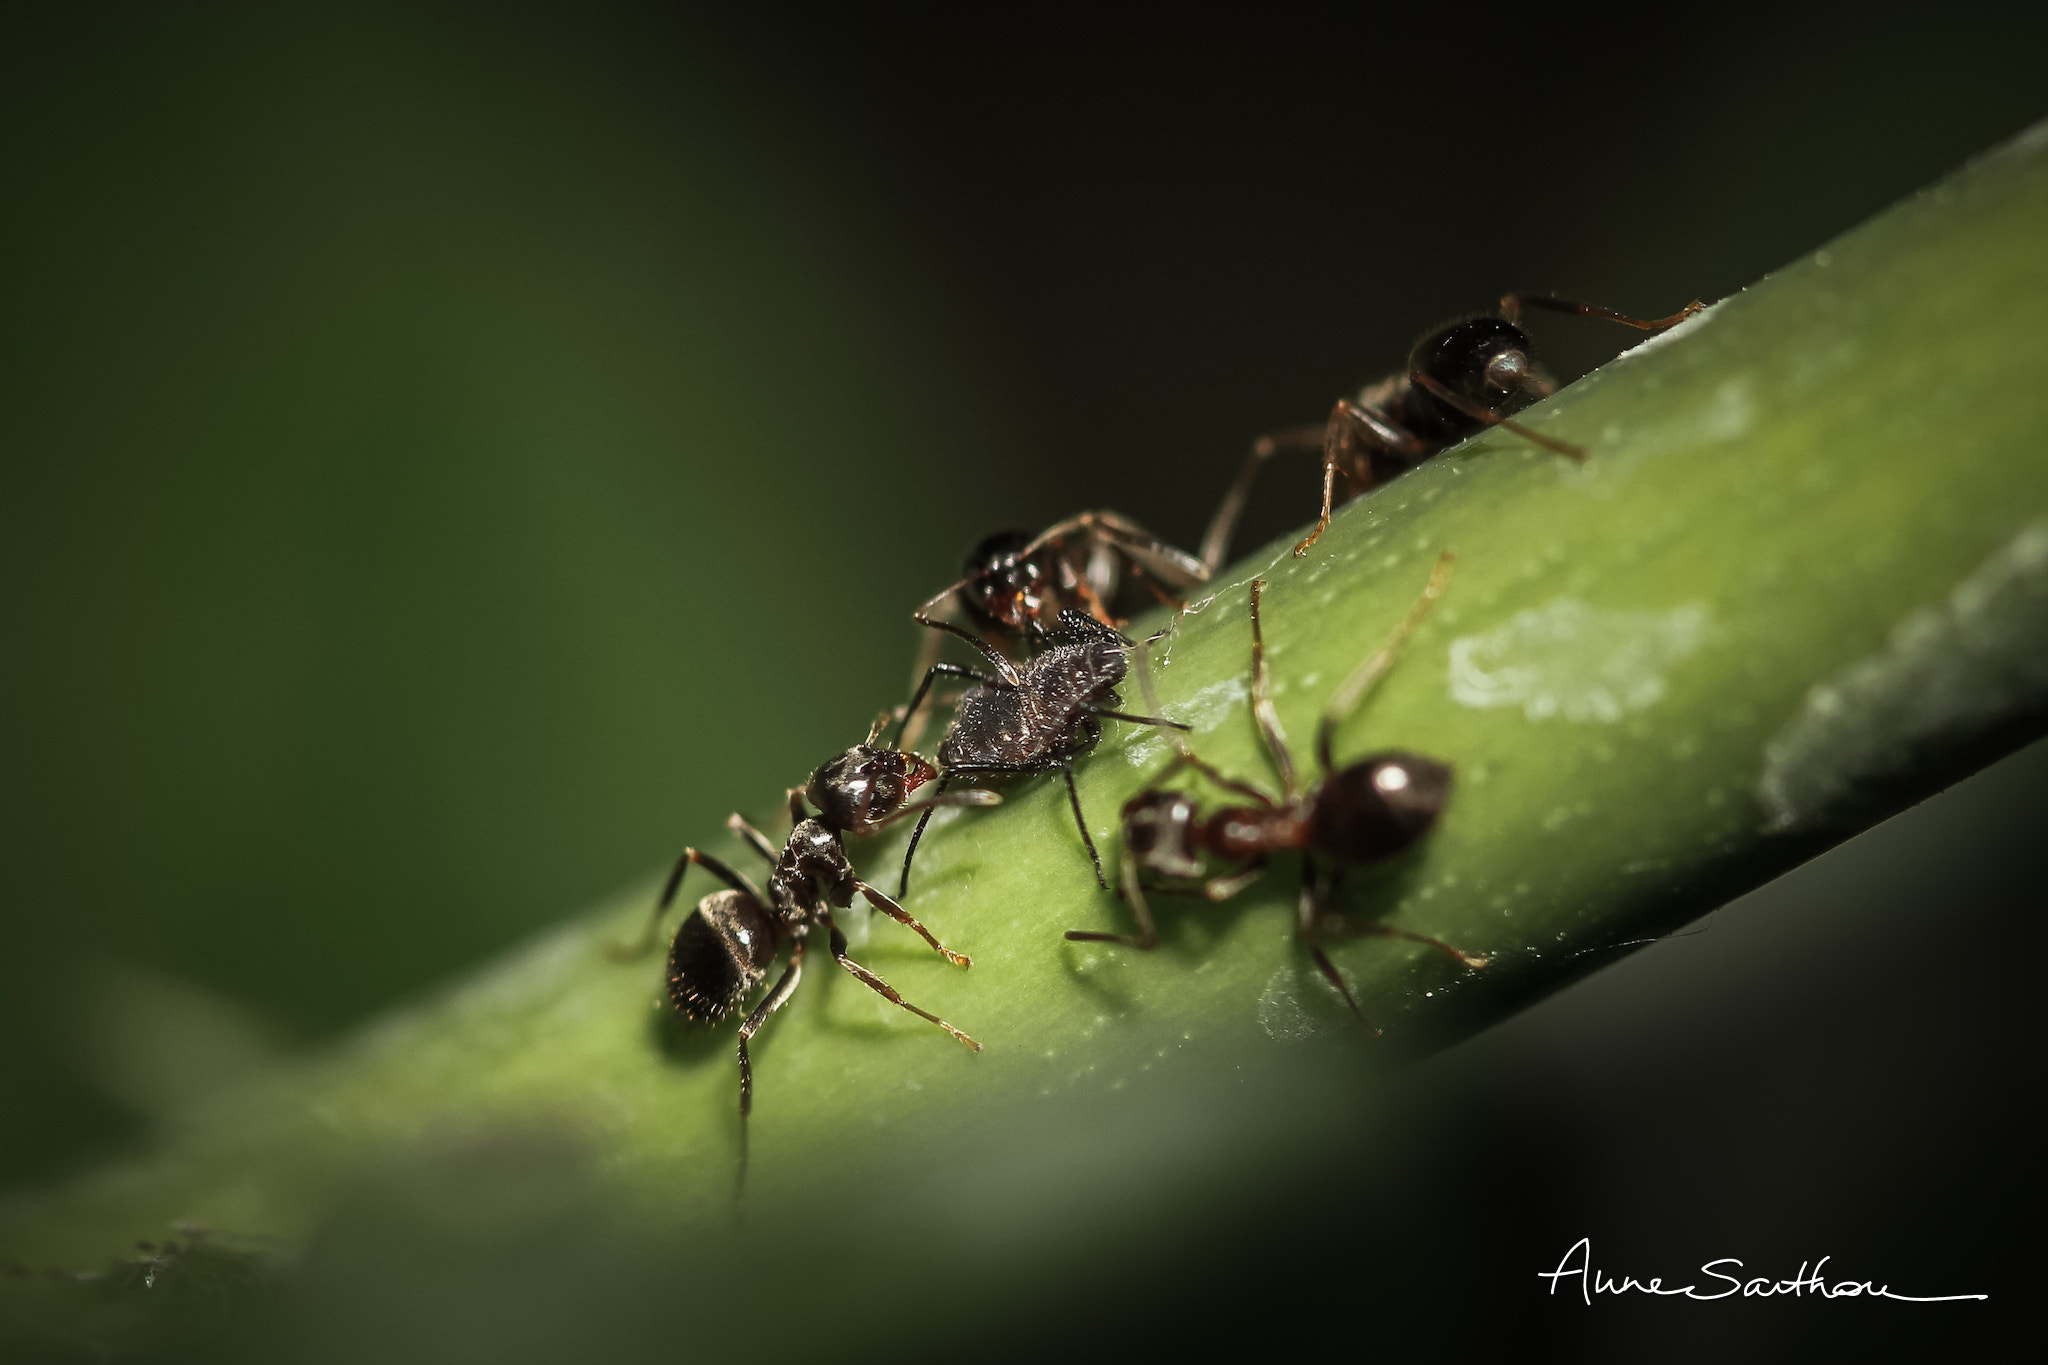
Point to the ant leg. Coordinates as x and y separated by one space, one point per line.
1511 306
1307 916
1081 822
885 990
1146 553
904 918
937 671
1463 958
1480 414
903 885
1375 665
626 952
1147 937
1355 434
1216 540
758 841
1386 931
773 1001
1262 705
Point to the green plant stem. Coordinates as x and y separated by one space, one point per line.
1801 581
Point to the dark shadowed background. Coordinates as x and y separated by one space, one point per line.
453 456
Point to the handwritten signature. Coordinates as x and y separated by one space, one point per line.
1578 1265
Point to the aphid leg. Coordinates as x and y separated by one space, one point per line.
884 989
1511 306
908 921
932 675
1160 721
626 952
1081 822
1222 526
1147 937
1307 922
1346 698
924 818
758 841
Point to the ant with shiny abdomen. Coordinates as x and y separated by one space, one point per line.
1035 717
1014 585
1366 812
1460 378
724 947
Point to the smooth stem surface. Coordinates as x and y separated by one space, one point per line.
1801 580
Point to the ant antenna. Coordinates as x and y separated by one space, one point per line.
1368 673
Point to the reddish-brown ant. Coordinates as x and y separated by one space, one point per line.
1460 378
1365 812
723 948
1036 717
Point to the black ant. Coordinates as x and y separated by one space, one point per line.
1015 585
1460 378
1365 812
1035 717
723 948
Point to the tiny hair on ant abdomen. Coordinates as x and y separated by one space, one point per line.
1040 716
1368 811
1460 379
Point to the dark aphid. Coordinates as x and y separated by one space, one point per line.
1035 717
724 948
1460 378
1365 812
1015 585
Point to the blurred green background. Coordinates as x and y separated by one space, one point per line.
454 455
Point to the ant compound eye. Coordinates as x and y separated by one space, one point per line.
1483 359
1507 370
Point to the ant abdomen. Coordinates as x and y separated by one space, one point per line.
1379 806
721 952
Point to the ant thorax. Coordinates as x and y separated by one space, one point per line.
812 873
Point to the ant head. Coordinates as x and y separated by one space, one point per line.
1486 360
1379 806
1158 832
1005 588
866 785
721 951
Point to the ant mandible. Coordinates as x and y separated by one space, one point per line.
1460 378
724 947
1365 812
1036 717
